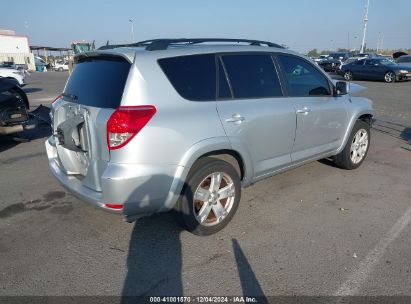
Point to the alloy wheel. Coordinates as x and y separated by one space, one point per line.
359 146
389 77
348 75
214 199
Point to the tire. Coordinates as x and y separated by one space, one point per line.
200 210
60 69
348 76
389 77
356 149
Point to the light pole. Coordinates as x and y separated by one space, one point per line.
132 30
355 42
378 41
365 26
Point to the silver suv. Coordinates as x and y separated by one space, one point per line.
184 124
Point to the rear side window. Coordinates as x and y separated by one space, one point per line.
302 78
252 75
193 77
98 82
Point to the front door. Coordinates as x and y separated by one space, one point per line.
321 117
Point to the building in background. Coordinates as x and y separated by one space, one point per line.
15 49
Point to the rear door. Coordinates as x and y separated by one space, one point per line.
321 117
256 116
93 91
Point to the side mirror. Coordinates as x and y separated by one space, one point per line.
341 88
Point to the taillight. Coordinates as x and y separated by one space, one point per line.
114 206
55 99
125 123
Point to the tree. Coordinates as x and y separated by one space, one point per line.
313 53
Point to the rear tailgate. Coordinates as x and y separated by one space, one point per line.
93 91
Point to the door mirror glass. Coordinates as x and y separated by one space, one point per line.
341 88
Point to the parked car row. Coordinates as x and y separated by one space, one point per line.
334 61
367 66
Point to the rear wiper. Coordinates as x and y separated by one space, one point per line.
71 97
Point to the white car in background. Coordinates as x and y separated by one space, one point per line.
61 66
321 58
11 73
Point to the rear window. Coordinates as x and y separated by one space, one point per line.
98 82
193 77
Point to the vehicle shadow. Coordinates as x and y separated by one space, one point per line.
406 135
328 162
393 129
32 90
154 261
249 283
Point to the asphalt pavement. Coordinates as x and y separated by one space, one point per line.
316 230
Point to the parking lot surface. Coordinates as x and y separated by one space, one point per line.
315 230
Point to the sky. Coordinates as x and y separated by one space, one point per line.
302 25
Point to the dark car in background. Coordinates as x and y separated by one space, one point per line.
376 69
14 107
333 62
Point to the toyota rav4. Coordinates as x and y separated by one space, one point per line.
184 124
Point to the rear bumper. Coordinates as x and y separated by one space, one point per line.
142 189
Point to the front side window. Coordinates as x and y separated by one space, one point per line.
302 78
193 77
359 62
252 75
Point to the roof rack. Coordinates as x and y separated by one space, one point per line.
163 44
136 44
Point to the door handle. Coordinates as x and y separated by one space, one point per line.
236 118
303 111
